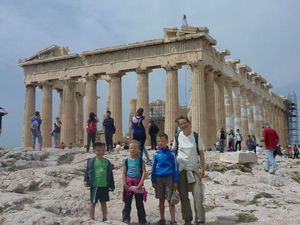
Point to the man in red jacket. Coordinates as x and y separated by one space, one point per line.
271 139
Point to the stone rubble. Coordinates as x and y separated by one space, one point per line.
47 188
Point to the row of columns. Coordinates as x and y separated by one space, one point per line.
219 102
216 102
70 112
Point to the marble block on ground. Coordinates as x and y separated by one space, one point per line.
238 157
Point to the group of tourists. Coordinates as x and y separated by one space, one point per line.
175 173
292 152
234 142
91 129
176 170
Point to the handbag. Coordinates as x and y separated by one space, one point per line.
175 198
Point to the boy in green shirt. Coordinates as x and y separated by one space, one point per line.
99 177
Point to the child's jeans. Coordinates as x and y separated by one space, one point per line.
139 198
139 206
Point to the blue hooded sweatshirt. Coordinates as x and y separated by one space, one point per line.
164 165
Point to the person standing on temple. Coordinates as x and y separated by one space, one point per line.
238 140
153 131
138 129
109 130
56 132
221 136
35 127
3 112
230 141
91 129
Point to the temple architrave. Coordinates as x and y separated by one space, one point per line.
224 93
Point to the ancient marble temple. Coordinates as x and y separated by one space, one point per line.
224 93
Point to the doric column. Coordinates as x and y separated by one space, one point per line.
198 104
236 100
172 101
264 111
273 115
228 106
251 125
29 110
143 97
132 112
267 112
91 100
60 92
108 94
219 102
257 117
244 113
91 95
68 127
79 119
116 104
261 116
210 108
46 114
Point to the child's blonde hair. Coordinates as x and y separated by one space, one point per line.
137 144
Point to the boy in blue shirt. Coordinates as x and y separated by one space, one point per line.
164 177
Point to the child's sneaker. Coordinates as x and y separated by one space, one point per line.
173 223
161 222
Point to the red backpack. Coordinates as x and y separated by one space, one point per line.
91 127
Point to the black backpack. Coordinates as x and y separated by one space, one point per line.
196 136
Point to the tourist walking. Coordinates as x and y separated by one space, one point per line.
254 143
153 131
138 129
35 127
249 143
99 177
296 152
91 129
238 140
3 112
188 147
221 136
133 174
270 139
164 177
109 130
56 132
231 140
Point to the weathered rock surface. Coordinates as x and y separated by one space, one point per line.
47 188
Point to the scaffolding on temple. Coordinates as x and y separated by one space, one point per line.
292 119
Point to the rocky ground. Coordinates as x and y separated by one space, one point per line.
47 188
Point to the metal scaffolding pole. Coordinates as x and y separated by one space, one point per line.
293 119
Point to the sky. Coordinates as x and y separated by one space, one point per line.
263 34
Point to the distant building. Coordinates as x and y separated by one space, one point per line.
157 113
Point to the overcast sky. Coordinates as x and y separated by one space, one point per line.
264 34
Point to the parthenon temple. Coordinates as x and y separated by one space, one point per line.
224 93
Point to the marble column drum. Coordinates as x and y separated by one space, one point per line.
198 104
29 110
172 101
46 114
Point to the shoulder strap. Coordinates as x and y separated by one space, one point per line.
196 135
141 163
126 164
177 143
